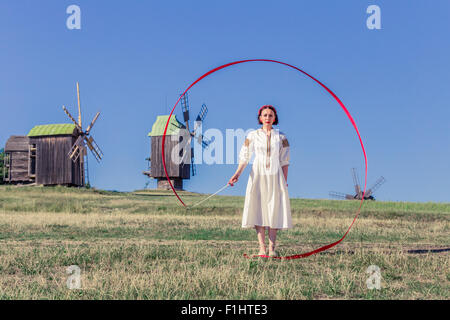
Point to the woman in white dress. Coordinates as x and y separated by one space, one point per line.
266 199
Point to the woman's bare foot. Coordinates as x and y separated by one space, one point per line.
272 251
262 251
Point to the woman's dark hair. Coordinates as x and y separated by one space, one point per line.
268 106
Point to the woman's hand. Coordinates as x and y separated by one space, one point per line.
233 179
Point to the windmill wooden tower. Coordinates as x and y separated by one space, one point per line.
52 154
358 192
179 154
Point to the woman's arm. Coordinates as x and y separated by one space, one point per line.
284 156
285 172
238 172
244 158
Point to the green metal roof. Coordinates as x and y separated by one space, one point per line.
52 130
173 127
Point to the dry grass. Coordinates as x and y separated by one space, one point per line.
145 246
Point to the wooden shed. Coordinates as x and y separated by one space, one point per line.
42 156
17 160
175 134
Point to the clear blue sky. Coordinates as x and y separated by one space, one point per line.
133 58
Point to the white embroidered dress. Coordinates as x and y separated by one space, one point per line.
266 198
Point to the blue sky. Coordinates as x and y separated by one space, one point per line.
133 58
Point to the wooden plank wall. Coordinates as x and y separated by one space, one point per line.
19 167
174 170
53 166
17 148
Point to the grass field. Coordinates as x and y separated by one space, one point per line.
145 245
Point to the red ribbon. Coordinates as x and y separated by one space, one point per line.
296 256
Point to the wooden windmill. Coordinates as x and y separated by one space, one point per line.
78 149
358 192
51 154
178 134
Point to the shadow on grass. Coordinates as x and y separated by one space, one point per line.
337 252
422 251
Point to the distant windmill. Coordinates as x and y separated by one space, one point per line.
358 192
78 149
51 154
175 134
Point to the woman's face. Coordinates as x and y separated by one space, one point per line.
267 116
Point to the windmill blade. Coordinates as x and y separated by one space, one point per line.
356 181
377 184
203 141
78 152
79 105
340 195
199 120
76 149
92 123
71 118
74 153
197 126
202 114
185 109
95 149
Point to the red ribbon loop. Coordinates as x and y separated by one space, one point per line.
296 256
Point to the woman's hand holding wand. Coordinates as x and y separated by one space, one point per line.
236 175
234 179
